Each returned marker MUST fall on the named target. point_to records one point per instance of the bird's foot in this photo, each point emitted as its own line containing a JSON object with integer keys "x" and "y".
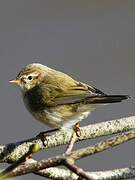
{"x": 44, "y": 134}
{"x": 76, "y": 129}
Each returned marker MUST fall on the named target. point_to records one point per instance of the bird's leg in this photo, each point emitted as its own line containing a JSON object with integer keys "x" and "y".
{"x": 76, "y": 129}
{"x": 42, "y": 135}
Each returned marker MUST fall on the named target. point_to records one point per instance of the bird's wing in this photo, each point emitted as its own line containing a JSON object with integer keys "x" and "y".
{"x": 54, "y": 95}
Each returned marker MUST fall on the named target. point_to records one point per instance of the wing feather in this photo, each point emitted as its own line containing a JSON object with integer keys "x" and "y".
{"x": 54, "y": 95}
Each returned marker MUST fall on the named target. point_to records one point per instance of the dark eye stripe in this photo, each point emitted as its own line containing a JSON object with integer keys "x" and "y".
{"x": 23, "y": 81}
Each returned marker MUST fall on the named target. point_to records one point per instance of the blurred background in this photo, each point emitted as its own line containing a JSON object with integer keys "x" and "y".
{"x": 94, "y": 41}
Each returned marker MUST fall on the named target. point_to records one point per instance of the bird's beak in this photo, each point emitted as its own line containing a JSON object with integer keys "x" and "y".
{"x": 15, "y": 81}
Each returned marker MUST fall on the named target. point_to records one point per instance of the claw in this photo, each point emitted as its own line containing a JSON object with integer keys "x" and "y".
{"x": 76, "y": 128}
{"x": 43, "y": 135}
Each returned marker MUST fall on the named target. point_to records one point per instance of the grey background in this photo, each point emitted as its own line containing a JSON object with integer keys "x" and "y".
{"x": 93, "y": 41}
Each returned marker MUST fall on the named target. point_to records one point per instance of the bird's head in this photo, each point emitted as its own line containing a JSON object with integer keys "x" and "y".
{"x": 30, "y": 76}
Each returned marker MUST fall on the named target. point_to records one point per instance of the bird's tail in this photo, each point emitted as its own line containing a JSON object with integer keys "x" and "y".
{"x": 107, "y": 99}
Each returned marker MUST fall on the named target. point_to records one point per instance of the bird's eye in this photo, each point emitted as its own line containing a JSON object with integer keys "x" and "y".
{"x": 30, "y": 78}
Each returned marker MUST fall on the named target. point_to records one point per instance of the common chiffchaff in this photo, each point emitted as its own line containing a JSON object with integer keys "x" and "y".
{"x": 56, "y": 99}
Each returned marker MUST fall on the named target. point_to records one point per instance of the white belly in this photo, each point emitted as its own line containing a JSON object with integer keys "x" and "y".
{"x": 55, "y": 119}
{"x": 73, "y": 120}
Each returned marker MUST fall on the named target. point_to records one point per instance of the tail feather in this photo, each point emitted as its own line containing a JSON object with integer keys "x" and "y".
{"x": 107, "y": 99}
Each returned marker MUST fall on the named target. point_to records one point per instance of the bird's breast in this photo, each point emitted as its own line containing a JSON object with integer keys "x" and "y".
{"x": 55, "y": 116}
{"x": 33, "y": 100}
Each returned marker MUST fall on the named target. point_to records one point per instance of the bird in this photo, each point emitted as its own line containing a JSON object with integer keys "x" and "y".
{"x": 58, "y": 100}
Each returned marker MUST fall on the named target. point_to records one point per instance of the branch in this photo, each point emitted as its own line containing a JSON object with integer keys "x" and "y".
{"x": 63, "y": 174}
{"x": 13, "y": 151}
{"x": 103, "y": 145}
{"x": 71, "y": 143}
{"x": 33, "y": 149}
{"x": 68, "y": 160}
{"x": 116, "y": 174}
{"x": 77, "y": 170}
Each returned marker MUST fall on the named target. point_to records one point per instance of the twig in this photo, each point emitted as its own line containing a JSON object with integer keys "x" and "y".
{"x": 13, "y": 151}
{"x": 69, "y": 163}
{"x": 75, "y": 155}
{"x": 103, "y": 145}
{"x": 77, "y": 170}
{"x": 71, "y": 143}
{"x": 33, "y": 148}
{"x": 116, "y": 174}
{"x": 63, "y": 174}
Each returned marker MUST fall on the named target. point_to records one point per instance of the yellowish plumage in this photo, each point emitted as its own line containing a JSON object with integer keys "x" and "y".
{"x": 56, "y": 99}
